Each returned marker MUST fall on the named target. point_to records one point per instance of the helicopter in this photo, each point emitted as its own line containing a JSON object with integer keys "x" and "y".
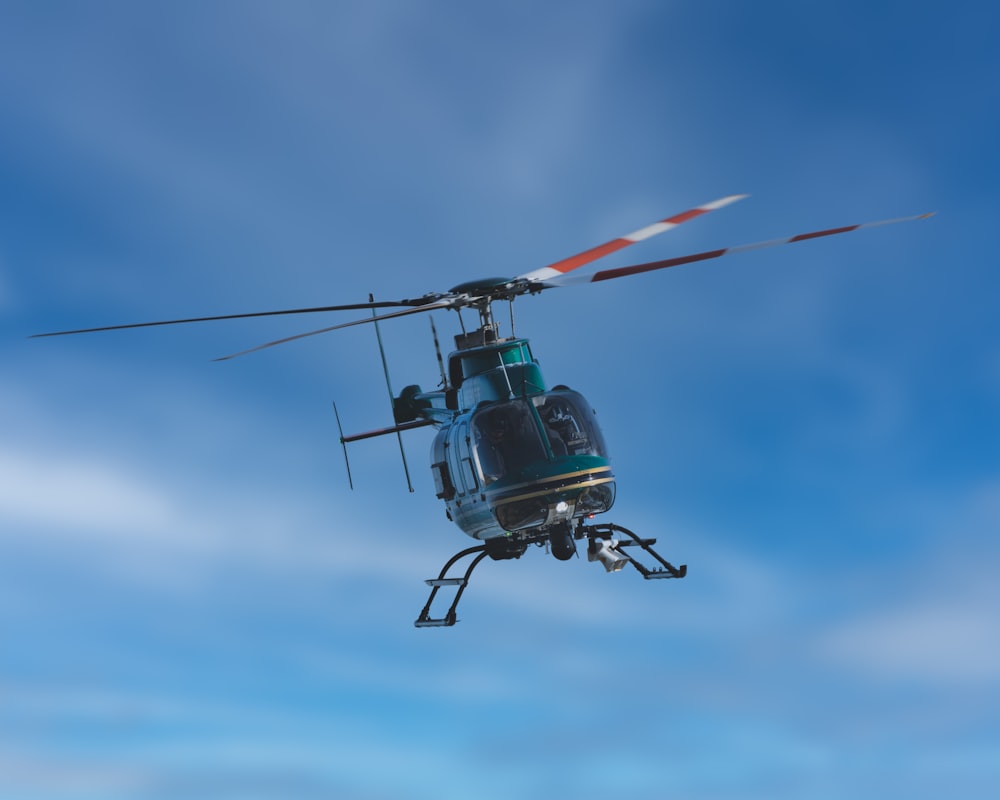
{"x": 515, "y": 462}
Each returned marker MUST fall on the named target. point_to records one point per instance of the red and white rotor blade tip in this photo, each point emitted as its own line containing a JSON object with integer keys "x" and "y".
{"x": 594, "y": 253}
{"x": 621, "y": 272}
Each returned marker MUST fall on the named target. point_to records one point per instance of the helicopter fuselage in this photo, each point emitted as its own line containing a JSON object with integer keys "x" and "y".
{"x": 512, "y": 460}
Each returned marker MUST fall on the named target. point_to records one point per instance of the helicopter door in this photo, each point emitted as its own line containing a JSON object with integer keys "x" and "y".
{"x": 439, "y": 468}
{"x": 462, "y": 466}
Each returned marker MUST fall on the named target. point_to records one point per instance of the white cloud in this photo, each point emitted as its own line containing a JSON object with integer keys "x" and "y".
{"x": 940, "y": 626}
{"x": 953, "y": 642}
{"x": 28, "y": 774}
{"x": 77, "y": 494}
{"x": 112, "y": 516}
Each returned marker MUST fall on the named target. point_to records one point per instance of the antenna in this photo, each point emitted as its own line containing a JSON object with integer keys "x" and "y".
{"x": 503, "y": 369}
{"x": 437, "y": 352}
{"x": 343, "y": 444}
{"x": 388, "y": 385}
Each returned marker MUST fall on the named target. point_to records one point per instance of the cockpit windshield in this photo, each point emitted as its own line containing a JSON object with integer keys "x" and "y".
{"x": 570, "y": 424}
{"x": 510, "y": 436}
{"x": 506, "y": 439}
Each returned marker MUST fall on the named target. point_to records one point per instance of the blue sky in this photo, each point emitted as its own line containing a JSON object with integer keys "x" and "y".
{"x": 192, "y": 603}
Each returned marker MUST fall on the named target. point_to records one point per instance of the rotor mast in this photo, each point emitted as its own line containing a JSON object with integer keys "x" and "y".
{"x": 488, "y": 331}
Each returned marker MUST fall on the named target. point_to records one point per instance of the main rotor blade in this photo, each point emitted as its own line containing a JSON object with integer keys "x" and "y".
{"x": 594, "y": 253}
{"x": 348, "y": 307}
{"x": 446, "y": 303}
{"x": 621, "y": 272}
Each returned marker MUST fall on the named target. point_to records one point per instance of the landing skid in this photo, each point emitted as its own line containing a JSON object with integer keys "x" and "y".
{"x": 425, "y": 620}
{"x": 598, "y": 536}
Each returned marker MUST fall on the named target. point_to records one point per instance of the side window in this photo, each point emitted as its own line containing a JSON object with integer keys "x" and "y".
{"x": 490, "y": 429}
{"x": 465, "y": 471}
{"x": 442, "y": 480}
{"x": 454, "y": 464}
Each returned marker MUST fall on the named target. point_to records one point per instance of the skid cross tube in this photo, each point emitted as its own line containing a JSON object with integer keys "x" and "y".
{"x": 425, "y": 620}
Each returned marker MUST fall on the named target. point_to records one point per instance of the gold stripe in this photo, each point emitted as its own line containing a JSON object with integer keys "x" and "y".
{"x": 559, "y": 477}
{"x": 529, "y": 495}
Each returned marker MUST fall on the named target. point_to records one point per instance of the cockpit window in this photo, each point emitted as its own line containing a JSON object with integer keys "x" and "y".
{"x": 507, "y": 436}
{"x": 506, "y": 439}
{"x": 570, "y": 424}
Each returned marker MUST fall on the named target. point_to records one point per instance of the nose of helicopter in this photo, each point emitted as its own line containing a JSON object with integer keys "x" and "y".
{"x": 561, "y": 496}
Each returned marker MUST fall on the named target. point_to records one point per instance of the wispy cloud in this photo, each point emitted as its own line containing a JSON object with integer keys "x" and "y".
{"x": 78, "y": 494}
{"x": 936, "y": 620}
{"x": 952, "y": 642}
